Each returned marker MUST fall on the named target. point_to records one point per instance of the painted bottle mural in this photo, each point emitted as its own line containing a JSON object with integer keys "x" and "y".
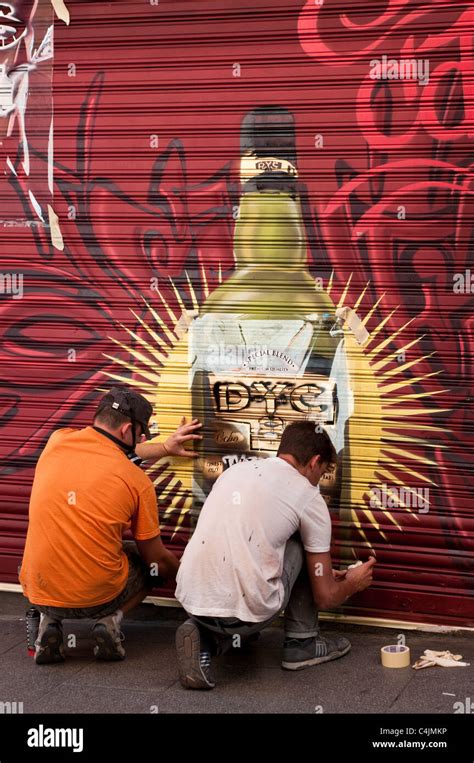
{"x": 267, "y": 348}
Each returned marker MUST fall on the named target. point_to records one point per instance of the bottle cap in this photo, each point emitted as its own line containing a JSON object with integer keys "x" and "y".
{"x": 267, "y": 145}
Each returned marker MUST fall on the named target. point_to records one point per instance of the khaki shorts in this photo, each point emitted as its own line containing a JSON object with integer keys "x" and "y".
{"x": 138, "y": 579}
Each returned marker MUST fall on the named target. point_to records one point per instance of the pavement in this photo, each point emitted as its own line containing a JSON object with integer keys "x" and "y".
{"x": 252, "y": 682}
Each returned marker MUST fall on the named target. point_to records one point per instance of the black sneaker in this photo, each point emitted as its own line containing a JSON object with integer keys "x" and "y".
{"x": 194, "y": 658}
{"x": 49, "y": 646}
{"x": 301, "y": 653}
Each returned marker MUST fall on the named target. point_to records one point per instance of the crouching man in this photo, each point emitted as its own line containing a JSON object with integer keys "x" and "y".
{"x": 88, "y": 489}
{"x": 261, "y": 545}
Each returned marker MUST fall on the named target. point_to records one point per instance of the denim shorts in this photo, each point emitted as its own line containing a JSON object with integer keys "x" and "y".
{"x": 138, "y": 579}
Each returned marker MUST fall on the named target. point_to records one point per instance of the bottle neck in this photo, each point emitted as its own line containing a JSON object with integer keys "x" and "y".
{"x": 269, "y": 233}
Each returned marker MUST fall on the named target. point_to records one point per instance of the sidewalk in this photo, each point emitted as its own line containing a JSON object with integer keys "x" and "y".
{"x": 146, "y": 681}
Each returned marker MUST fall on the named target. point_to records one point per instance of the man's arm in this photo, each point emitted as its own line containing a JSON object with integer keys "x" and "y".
{"x": 174, "y": 445}
{"x": 328, "y": 591}
{"x": 153, "y": 551}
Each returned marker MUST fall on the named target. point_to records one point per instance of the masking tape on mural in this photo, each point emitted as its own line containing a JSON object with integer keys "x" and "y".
{"x": 61, "y": 11}
{"x": 56, "y": 235}
{"x": 395, "y": 656}
{"x": 354, "y": 322}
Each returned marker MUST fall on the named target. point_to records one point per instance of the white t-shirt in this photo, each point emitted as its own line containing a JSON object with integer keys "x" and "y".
{"x": 232, "y": 566}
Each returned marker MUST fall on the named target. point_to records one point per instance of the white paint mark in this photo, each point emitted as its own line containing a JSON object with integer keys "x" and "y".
{"x": 10, "y": 165}
{"x": 51, "y": 157}
{"x": 36, "y": 205}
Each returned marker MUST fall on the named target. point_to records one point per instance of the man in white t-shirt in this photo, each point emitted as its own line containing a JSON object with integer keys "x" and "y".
{"x": 262, "y": 545}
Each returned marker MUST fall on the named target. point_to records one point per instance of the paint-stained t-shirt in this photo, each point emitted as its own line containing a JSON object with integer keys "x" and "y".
{"x": 85, "y": 494}
{"x": 232, "y": 566}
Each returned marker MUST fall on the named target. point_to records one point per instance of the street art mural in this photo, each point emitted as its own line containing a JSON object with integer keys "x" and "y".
{"x": 161, "y": 280}
{"x": 26, "y": 113}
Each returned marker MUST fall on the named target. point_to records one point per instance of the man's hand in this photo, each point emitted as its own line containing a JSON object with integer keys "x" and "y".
{"x": 173, "y": 446}
{"x": 361, "y": 577}
{"x": 331, "y": 588}
{"x": 185, "y": 432}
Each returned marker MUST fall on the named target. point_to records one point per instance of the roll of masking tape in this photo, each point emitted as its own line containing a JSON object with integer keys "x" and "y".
{"x": 395, "y": 656}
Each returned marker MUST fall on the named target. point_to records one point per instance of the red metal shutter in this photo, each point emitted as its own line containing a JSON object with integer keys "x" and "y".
{"x": 148, "y": 104}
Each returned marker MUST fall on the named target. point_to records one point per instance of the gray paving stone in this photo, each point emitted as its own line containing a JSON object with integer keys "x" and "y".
{"x": 246, "y": 682}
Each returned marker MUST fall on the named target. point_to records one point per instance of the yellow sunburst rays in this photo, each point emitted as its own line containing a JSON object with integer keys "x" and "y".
{"x": 381, "y": 423}
{"x": 157, "y": 365}
{"x": 381, "y": 427}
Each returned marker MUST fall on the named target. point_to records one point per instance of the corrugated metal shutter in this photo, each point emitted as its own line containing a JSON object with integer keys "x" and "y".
{"x": 149, "y": 100}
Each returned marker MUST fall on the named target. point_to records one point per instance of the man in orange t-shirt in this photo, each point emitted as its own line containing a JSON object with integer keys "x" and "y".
{"x": 88, "y": 489}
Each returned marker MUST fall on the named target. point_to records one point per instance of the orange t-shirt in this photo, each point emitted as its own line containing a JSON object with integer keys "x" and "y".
{"x": 85, "y": 494}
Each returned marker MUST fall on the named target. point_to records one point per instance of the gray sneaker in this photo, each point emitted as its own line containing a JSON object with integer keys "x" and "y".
{"x": 194, "y": 658}
{"x": 108, "y": 638}
{"x": 49, "y": 646}
{"x": 301, "y": 653}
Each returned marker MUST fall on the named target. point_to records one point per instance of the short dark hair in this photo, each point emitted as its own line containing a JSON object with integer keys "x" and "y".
{"x": 305, "y": 439}
{"x": 109, "y": 416}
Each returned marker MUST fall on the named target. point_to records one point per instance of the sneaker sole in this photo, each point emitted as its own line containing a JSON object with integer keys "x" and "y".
{"x": 187, "y": 650}
{"x": 106, "y": 648}
{"x": 315, "y": 661}
{"x": 51, "y": 644}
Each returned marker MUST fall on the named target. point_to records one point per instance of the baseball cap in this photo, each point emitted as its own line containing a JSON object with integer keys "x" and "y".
{"x": 129, "y": 403}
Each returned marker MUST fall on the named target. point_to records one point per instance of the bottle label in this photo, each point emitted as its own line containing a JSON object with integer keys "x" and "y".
{"x": 229, "y": 344}
{"x": 250, "y": 378}
{"x": 250, "y": 412}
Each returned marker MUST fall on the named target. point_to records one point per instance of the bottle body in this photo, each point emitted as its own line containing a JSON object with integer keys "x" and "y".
{"x": 267, "y": 348}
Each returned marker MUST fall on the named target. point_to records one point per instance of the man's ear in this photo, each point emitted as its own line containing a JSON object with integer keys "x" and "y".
{"x": 314, "y": 461}
{"x": 125, "y": 428}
